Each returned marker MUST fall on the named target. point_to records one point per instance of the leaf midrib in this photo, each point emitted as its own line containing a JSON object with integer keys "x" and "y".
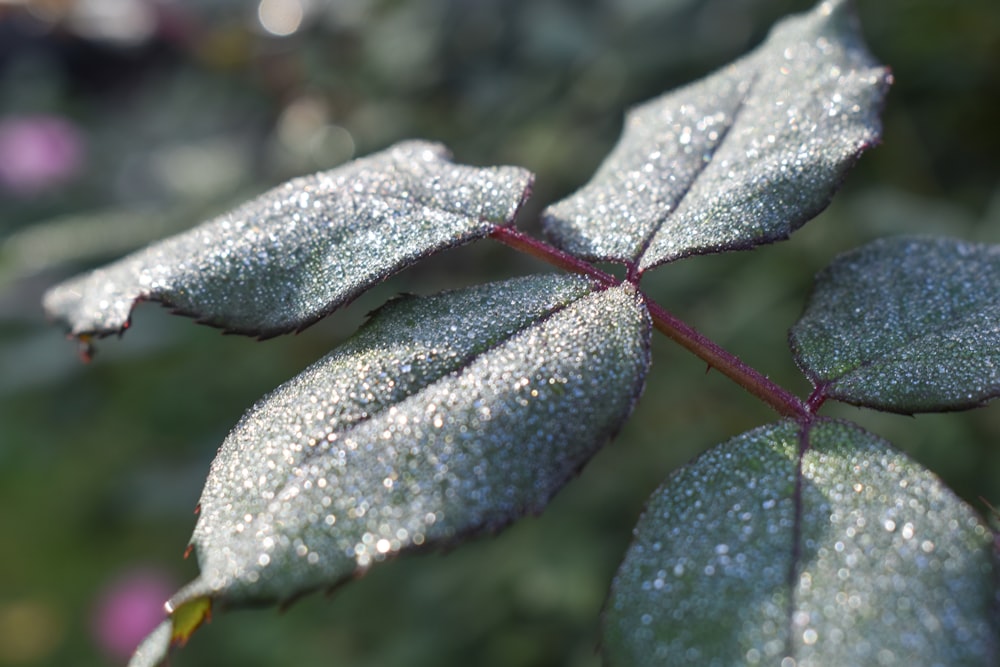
{"x": 737, "y": 112}
{"x": 892, "y": 355}
{"x": 460, "y": 366}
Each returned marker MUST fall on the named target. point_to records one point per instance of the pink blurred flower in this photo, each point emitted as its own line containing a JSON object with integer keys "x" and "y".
{"x": 37, "y": 153}
{"x": 128, "y": 609}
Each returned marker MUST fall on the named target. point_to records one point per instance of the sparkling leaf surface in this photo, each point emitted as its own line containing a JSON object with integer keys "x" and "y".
{"x": 444, "y": 416}
{"x": 905, "y": 324}
{"x": 740, "y": 158}
{"x": 867, "y": 560}
{"x": 154, "y": 648}
{"x": 282, "y": 261}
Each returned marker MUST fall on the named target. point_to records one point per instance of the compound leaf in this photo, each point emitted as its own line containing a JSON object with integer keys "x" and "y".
{"x": 289, "y": 257}
{"x": 741, "y": 158}
{"x": 852, "y": 555}
{"x": 906, "y": 325}
{"x": 443, "y": 417}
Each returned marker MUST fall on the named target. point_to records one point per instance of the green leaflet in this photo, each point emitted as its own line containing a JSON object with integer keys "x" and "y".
{"x": 294, "y": 254}
{"x": 740, "y": 158}
{"x": 443, "y": 417}
{"x": 905, "y": 324}
{"x": 872, "y": 561}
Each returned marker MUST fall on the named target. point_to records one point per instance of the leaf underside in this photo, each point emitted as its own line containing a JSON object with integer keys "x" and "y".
{"x": 905, "y": 324}
{"x": 872, "y": 561}
{"x": 740, "y": 158}
{"x": 443, "y": 417}
{"x": 291, "y": 256}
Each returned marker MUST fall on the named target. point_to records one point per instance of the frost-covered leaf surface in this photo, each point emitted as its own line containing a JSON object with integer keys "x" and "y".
{"x": 443, "y": 417}
{"x": 154, "y": 647}
{"x": 872, "y": 562}
{"x": 742, "y": 157}
{"x": 905, "y": 324}
{"x": 285, "y": 259}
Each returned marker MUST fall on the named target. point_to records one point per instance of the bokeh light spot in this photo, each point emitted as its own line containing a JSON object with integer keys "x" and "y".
{"x": 280, "y": 17}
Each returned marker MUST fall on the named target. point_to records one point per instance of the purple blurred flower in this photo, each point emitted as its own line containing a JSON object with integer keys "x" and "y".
{"x": 37, "y": 153}
{"x": 128, "y": 609}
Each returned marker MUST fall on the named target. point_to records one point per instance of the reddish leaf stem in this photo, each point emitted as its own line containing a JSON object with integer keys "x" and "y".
{"x": 818, "y": 397}
{"x": 784, "y": 402}
{"x": 552, "y": 255}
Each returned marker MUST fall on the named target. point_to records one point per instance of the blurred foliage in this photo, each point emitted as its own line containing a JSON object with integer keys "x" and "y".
{"x": 121, "y": 122}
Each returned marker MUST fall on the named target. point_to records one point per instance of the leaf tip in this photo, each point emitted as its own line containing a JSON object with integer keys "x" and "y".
{"x": 154, "y": 648}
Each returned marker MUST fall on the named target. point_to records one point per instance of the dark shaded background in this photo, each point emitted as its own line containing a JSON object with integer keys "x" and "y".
{"x": 123, "y": 121}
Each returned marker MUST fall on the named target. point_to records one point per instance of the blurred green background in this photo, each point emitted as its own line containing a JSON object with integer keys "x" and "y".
{"x": 123, "y": 121}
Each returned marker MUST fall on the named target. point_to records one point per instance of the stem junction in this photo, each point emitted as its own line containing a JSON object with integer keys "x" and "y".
{"x": 780, "y": 399}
